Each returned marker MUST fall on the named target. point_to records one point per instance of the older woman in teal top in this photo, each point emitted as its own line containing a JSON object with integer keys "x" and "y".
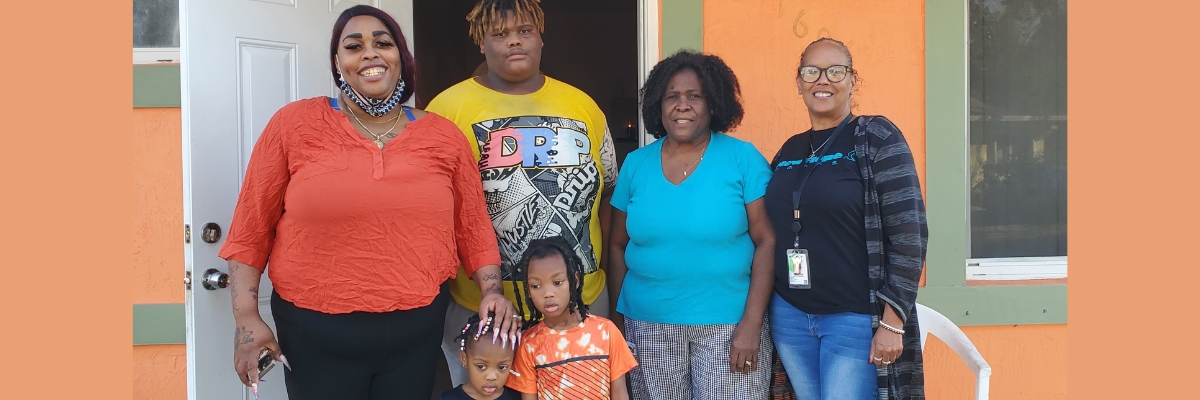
{"x": 691, "y": 249}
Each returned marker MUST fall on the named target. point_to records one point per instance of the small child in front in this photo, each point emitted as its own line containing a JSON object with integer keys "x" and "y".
{"x": 488, "y": 365}
{"x": 568, "y": 354}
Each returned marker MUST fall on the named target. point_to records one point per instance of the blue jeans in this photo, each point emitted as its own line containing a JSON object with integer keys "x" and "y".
{"x": 827, "y": 356}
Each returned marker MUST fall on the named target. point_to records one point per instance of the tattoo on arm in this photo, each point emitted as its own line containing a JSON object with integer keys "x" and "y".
{"x": 490, "y": 277}
{"x": 242, "y": 337}
{"x": 234, "y": 291}
{"x": 253, "y": 290}
{"x": 493, "y": 288}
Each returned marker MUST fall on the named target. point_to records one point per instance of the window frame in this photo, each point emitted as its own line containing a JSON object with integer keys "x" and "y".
{"x": 155, "y": 55}
{"x": 998, "y": 268}
{"x": 947, "y": 96}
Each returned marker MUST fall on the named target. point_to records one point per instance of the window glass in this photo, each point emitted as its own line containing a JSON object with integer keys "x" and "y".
{"x": 1018, "y": 122}
{"x": 155, "y": 23}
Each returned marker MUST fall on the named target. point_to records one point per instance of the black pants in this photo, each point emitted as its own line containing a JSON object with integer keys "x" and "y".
{"x": 360, "y": 355}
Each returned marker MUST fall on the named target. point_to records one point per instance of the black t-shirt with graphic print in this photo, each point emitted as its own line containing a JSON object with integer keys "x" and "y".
{"x": 834, "y": 231}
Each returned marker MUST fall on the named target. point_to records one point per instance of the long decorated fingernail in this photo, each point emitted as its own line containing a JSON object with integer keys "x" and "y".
{"x": 514, "y": 342}
{"x": 254, "y": 388}
{"x": 285, "y": 363}
{"x": 503, "y": 340}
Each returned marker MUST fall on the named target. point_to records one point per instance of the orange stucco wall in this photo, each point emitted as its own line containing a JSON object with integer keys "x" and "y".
{"x": 158, "y": 206}
{"x": 762, "y": 40}
{"x": 159, "y": 371}
{"x": 1028, "y": 362}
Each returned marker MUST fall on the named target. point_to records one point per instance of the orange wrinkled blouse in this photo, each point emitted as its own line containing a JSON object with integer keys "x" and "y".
{"x": 348, "y": 227}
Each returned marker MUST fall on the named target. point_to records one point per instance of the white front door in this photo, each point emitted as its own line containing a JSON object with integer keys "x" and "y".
{"x": 241, "y": 61}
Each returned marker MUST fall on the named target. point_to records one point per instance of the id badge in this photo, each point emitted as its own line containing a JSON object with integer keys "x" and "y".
{"x": 798, "y": 277}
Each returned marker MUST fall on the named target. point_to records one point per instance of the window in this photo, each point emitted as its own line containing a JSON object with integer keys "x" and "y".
{"x": 1018, "y": 139}
{"x": 155, "y": 31}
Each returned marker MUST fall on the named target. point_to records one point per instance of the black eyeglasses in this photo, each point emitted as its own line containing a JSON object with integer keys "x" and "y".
{"x": 835, "y": 73}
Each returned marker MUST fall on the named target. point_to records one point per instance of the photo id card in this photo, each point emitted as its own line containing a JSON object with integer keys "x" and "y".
{"x": 798, "y": 277}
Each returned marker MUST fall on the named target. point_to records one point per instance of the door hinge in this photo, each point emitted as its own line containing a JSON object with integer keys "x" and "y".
{"x": 187, "y": 280}
{"x": 187, "y": 234}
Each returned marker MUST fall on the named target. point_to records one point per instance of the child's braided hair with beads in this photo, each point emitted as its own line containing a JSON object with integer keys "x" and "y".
{"x": 471, "y": 332}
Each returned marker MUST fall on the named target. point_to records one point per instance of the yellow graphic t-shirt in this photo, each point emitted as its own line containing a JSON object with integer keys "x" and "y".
{"x": 544, "y": 158}
{"x": 579, "y": 363}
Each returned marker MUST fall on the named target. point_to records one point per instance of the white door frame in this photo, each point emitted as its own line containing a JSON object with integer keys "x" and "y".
{"x": 648, "y": 54}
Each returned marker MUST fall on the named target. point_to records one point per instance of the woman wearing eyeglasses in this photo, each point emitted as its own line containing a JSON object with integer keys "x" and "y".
{"x": 849, "y": 218}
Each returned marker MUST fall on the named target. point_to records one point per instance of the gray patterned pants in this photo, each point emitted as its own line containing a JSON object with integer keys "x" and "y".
{"x": 680, "y": 362}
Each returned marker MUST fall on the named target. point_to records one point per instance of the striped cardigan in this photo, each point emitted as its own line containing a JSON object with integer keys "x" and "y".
{"x": 897, "y": 237}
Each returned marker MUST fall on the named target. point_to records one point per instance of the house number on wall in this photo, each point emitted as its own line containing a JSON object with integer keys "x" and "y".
{"x": 800, "y": 29}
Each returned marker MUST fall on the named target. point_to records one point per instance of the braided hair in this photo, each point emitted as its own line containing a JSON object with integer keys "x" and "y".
{"x": 487, "y": 14}
{"x": 470, "y": 333}
{"x": 543, "y": 248}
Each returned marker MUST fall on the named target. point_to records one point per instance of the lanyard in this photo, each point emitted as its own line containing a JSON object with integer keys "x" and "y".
{"x": 800, "y": 191}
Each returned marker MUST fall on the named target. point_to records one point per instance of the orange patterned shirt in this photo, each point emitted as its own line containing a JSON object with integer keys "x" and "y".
{"x": 577, "y": 363}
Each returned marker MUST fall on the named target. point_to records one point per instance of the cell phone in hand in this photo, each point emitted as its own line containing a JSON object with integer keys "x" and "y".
{"x": 266, "y": 361}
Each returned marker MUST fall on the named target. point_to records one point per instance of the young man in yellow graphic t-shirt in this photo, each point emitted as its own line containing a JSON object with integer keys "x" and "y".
{"x": 545, "y": 156}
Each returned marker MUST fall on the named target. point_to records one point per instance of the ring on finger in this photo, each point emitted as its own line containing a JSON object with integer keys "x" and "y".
{"x": 878, "y": 358}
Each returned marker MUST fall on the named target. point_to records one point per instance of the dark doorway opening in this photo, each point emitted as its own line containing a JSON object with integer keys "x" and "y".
{"x": 591, "y": 45}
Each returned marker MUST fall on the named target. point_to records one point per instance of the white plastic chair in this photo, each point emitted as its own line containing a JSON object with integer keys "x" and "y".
{"x": 931, "y": 321}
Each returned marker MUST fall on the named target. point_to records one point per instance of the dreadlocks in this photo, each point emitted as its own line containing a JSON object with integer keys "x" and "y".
{"x": 488, "y": 14}
{"x": 539, "y": 249}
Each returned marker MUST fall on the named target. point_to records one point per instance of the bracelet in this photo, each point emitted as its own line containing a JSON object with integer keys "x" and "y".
{"x": 890, "y": 328}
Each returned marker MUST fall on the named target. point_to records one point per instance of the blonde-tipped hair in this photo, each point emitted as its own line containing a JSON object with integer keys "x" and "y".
{"x": 490, "y": 14}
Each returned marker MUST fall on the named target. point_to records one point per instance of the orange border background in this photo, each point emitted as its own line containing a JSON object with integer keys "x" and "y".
{"x": 65, "y": 161}
{"x": 1133, "y": 216}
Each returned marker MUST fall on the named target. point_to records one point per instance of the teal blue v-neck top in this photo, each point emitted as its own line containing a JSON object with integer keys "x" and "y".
{"x": 689, "y": 250}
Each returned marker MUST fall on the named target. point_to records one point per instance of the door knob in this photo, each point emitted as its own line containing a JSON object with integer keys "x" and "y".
{"x": 214, "y": 279}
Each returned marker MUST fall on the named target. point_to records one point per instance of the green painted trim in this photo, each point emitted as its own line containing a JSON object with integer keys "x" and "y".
{"x": 946, "y": 126}
{"x": 156, "y": 86}
{"x": 159, "y": 323}
{"x": 946, "y": 142}
{"x": 682, "y": 26}
{"x": 998, "y": 305}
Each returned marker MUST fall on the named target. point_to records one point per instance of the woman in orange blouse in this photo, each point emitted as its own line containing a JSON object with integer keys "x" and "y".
{"x": 363, "y": 209}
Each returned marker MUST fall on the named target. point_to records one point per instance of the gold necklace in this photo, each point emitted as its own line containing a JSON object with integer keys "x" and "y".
{"x": 689, "y": 166}
{"x": 378, "y": 138}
